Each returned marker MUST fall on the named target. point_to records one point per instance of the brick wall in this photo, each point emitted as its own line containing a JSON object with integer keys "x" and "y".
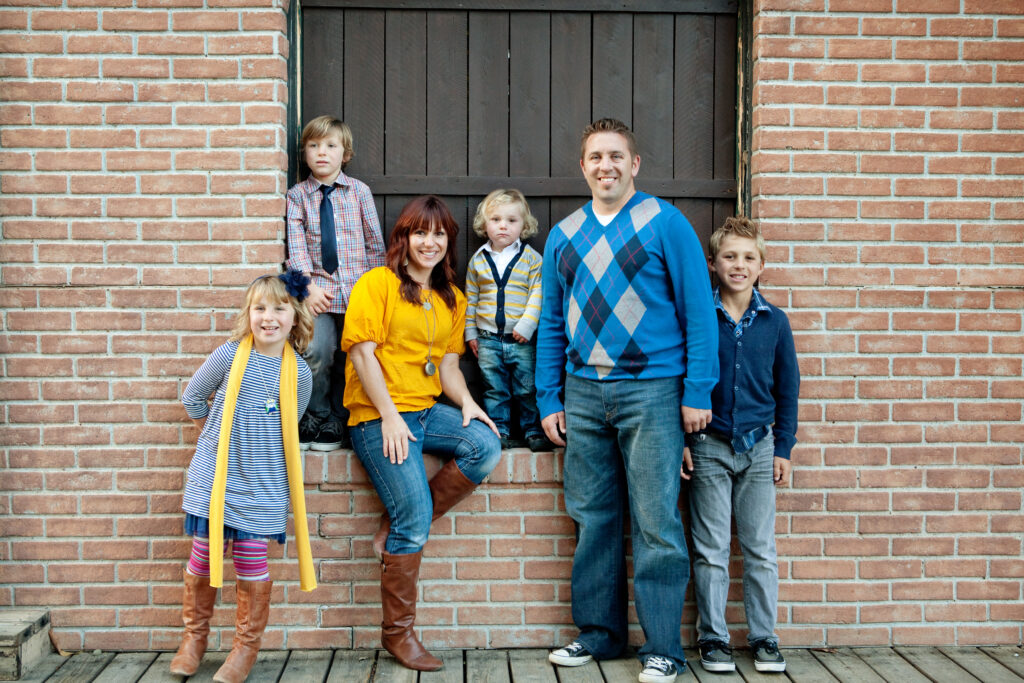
{"x": 888, "y": 175}
{"x": 143, "y": 152}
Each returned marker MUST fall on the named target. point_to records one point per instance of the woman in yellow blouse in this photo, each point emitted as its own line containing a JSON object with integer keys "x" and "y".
{"x": 404, "y": 335}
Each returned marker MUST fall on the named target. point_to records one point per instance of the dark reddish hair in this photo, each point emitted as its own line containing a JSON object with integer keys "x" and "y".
{"x": 422, "y": 213}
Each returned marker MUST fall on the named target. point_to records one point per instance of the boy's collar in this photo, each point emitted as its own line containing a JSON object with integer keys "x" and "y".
{"x": 757, "y": 302}
{"x": 514, "y": 247}
{"x": 315, "y": 184}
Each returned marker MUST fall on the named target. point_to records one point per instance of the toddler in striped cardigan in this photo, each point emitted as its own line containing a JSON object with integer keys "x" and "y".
{"x": 503, "y": 291}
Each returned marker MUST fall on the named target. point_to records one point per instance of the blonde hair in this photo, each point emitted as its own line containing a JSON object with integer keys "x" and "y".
{"x": 325, "y": 125}
{"x": 503, "y": 196}
{"x": 608, "y": 126}
{"x": 271, "y": 288}
{"x": 740, "y": 226}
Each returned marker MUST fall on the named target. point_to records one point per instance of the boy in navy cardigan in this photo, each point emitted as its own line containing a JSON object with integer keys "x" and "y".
{"x": 744, "y": 452}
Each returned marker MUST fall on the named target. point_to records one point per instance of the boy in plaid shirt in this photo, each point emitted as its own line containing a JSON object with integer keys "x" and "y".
{"x": 334, "y": 236}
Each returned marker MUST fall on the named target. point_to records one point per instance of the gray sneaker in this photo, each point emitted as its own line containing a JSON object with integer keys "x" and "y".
{"x": 767, "y": 656}
{"x": 716, "y": 656}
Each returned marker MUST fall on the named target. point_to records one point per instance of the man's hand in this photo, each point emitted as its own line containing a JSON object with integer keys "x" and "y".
{"x": 695, "y": 419}
{"x": 554, "y": 427}
{"x": 781, "y": 469}
{"x": 318, "y": 300}
{"x": 686, "y": 471}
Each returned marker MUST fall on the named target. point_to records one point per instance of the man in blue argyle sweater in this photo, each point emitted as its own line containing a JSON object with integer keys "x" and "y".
{"x": 629, "y": 322}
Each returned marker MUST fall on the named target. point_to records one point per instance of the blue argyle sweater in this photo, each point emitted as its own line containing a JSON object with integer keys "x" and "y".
{"x": 630, "y": 300}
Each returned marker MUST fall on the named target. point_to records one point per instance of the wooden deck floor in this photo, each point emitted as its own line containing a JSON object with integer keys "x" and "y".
{"x": 859, "y": 665}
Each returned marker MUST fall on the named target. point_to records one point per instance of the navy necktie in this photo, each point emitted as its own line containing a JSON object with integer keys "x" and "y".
{"x": 328, "y": 239}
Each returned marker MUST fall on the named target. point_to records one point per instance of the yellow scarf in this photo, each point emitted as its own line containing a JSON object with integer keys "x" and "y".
{"x": 289, "y": 436}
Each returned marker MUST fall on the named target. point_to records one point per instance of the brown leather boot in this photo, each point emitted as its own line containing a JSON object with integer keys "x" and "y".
{"x": 196, "y": 610}
{"x": 250, "y": 621}
{"x": 448, "y": 487}
{"x": 398, "y": 577}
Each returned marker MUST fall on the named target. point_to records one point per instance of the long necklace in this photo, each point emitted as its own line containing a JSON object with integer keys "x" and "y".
{"x": 271, "y": 403}
{"x": 429, "y": 366}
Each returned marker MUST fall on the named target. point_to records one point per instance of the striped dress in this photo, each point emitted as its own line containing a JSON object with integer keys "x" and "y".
{"x": 256, "y": 499}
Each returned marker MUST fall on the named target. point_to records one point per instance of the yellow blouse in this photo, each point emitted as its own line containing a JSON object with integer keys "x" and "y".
{"x": 403, "y": 332}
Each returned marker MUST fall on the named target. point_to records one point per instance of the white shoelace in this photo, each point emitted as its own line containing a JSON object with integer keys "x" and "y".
{"x": 659, "y": 664}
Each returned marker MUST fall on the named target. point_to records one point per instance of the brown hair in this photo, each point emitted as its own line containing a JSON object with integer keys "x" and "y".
{"x": 423, "y": 213}
{"x": 325, "y": 125}
{"x": 510, "y": 196}
{"x": 271, "y": 288}
{"x": 608, "y": 126}
{"x": 740, "y": 226}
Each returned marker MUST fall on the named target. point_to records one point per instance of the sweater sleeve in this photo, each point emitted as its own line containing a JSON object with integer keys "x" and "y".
{"x": 695, "y": 308}
{"x": 472, "y": 299}
{"x": 785, "y": 388}
{"x": 527, "y": 324}
{"x": 551, "y": 338}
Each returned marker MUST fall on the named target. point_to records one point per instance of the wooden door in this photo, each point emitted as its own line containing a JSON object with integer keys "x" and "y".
{"x": 460, "y": 98}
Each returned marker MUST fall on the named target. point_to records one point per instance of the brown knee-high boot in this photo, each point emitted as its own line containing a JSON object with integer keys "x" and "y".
{"x": 196, "y": 610}
{"x": 250, "y": 621}
{"x": 448, "y": 488}
{"x": 398, "y": 577}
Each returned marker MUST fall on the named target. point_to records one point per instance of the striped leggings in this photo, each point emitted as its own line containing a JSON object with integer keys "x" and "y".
{"x": 249, "y": 557}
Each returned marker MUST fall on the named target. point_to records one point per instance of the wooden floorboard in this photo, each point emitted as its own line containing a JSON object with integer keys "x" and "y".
{"x": 825, "y": 665}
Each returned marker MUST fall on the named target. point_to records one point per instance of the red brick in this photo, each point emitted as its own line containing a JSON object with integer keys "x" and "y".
{"x": 927, "y": 49}
{"x": 61, "y": 67}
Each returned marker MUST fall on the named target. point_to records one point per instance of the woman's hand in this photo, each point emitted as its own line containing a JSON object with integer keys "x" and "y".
{"x": 396, "y": 436}
{"x": 471, "y": 411}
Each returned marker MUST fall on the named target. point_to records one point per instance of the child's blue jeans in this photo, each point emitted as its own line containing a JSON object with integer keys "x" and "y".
{"x": 507, "y": 367}
{"x": 327, "y": 363}
{"x": 727, "y": 485}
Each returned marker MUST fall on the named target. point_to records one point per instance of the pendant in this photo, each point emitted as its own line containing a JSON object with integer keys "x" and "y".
{"x": 427, "y": 306}
{"x": 429, "y": 368}
{"x": 270, "y": 406}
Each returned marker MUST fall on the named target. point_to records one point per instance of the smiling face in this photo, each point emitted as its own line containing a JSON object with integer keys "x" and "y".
{"x": 271, "y": 322}
{"x": 738, "y": 264}
{"x": 609, "y": 168}
{"x": 504, "y": 224}
{"x": 324, "y": 156}
{"x": 427, "y": 247}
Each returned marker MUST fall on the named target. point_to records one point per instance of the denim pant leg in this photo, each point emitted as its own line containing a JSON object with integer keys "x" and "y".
{"x": 754, "y": 509}
{"x": 711, "y": 495}
{"x": 646, "y": 414}
{"x": 403, "y": 488}
{"x": 497, "y": 392}
{"x": 523, "y": 361}
{"x": 475, "y": 448}
{"x": 595, "y": 498}
{"x": 327, "y": 363}
{"x": 339, "y": 413}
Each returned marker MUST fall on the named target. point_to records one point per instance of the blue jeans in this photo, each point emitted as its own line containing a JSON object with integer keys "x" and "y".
{"x": 507, "y": 368}
{"x": 728, "y": 485}
{"x": 327, "y": 363}
{"x": 624, "y": 446}
{"x": 403, "y": 488}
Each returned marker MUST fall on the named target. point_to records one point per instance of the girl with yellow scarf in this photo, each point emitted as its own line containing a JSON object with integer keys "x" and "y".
{"x": 247, "y": 468}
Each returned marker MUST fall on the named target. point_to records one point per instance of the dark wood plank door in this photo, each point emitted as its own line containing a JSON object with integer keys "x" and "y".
{"x": 459, "y": 98}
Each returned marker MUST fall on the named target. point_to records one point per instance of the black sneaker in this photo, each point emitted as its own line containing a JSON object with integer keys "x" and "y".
{"x": 767, "y": 656}
{"x": 309, "y": 427}
{"x": 539, "y": 444}
{"x": 658, "y": 669}
{"x": 716, "y": 656}
{"x": 506, "y": 443}
{"x": 329, "y": 438}
{"x": 573, "y": 654}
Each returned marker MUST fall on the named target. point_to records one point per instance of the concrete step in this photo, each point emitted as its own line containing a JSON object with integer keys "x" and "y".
{"x": 24, "y": 640}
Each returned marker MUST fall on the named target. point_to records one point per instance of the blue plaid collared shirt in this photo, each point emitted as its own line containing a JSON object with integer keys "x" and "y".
{"x": 357, "y": 228}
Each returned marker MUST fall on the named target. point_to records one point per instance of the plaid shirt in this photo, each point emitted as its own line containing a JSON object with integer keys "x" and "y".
{"x": 359, "y": 238}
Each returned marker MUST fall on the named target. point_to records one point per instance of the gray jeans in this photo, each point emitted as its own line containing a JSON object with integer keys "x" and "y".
{"x": 327, "y": 363}
{"x": 728, "y": 485}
